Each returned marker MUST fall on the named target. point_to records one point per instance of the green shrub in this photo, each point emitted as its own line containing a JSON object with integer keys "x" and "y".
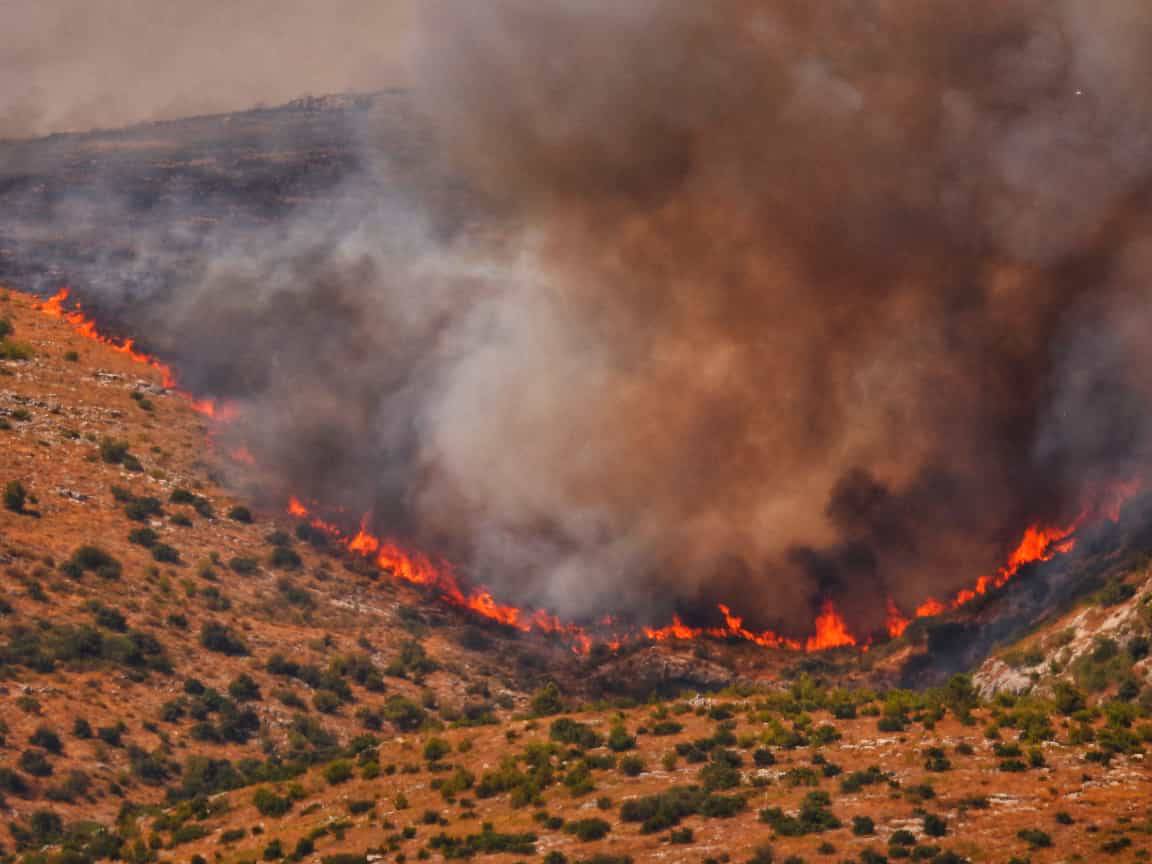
{"x": 197, "y": 502}
{"x": 619, "y": 740}
{"x": 568, "y": 731}
{"x": 632, "y": 766}
{"x": 1035, "y": 838}
{"x": 338, "y": 772}
{"x": 95, "y": 560}
{"x": 487, "y": 842}
{"x": 546, "y": 701}
{"x": 240, "y": 513}
{"x": 243, "y": 566}
{"x": 274, "y": 851}
{"x": 15, "y": 352}
{"x": 165, "y": 554}
{"x": 763, "y": 757}
{"x": 326, "y": 701}
{"x": 270, "y": 804}
{"x": 244, "y": 688}
{"x": 436, "y": 749}
{"x": 15, "y": 496}
{"x": 47, "y": 738}
{"x": 114, "y": 452}
{"x": 145, "y": 537}
{"x": 412, "y": 662}
{"x": 902, "y": 838}
{"x": 588, "y": 830}
{"x": 284, "y": 558}
{"x": 935, "y": 826}
{"x": 814, "y": 817}
{"x": 35, "y": 763}
{"x": 219, "y": 638}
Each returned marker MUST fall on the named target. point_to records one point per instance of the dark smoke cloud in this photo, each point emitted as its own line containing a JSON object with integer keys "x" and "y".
{"x": 788, "y": 300}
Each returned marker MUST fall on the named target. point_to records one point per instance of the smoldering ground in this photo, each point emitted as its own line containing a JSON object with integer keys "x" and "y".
{"x": 786, "y": 301}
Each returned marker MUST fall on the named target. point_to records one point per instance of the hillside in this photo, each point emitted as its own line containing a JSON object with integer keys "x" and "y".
{"x": 1100, "y": 644}
{"x": 189, "y": 677}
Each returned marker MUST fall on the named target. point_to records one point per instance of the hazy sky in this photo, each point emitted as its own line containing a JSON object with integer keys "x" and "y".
{"x": 78, "y": 64}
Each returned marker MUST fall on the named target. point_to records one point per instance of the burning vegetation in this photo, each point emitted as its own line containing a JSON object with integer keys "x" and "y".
{"x": 829, "y": 629}
{"x": 646, "y": 368}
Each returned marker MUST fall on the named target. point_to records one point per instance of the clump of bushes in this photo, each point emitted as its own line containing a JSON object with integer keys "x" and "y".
{"x": 487, "y": 842}
{"x": 814, "y": 817}
{"x": 580, "y": 735}
{"x": 197, "y": 502}
{"x": 92, "y": 559}
{"x": 219, "y": 638}
{"x": 667, "y": 809}
{"x": 114, "y": 452}
{"x": 412, "y": 662}
{"x": 588, "y": 830}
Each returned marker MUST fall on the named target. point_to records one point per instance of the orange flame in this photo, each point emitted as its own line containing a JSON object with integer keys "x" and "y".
{"x": 53, "y": 307}
{"x": 896, "y": 622}
{"x": 830, "y": 630}
{"x": 1038, "y": 544}
{"x": 82, "y": 325}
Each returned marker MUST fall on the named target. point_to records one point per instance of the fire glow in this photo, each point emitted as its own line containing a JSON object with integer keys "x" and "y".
{"x": 830, "y": 630}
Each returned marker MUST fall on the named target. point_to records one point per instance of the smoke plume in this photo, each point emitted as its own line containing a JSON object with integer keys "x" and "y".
{"x": 784, "y": 301}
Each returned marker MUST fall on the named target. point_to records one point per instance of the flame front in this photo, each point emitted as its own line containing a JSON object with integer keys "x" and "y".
{"x": 83, "y": 326}
{"x": 1038, "y": 544}
{"x": 831, "y": 631}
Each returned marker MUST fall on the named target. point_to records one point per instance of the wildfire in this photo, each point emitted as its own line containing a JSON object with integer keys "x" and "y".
{"x": 53, "y": 307}
{"x": 896, "y": 623}
{"x": 1038, "y": 544}
{"x": 831, "y": 631}
{"x": 733, "y": 629}
{"x": 82, "y": 325}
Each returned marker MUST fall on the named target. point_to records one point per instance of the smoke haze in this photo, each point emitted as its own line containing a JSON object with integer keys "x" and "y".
{"x": 70, "y": 65}
{"x": 785, "y": 301}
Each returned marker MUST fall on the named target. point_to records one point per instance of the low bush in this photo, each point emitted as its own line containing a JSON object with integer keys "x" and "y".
{"x": 588, "y": 830}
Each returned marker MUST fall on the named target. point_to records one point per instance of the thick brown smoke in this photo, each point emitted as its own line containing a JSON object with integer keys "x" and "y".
{"x": 787, "y": 300}
{"x": 808, "y": 276}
